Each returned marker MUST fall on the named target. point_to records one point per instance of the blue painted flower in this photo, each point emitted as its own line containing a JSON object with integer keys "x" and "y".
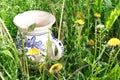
{"x": 34, "y": 44}
{"x": 37, "y": 44}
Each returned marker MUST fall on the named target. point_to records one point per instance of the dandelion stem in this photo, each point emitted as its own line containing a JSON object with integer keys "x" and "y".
{"x": 79, "y": 34}
{"x": 114, "y": 58}
{"x": 79, "y": 39}
{"x": 95, "y": 40}
{"x": 61, "y": 19}
{"x": 112, "y": 51}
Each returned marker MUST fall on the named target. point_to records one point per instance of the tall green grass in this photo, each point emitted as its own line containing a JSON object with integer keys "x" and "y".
{"x": 81, "y": 60}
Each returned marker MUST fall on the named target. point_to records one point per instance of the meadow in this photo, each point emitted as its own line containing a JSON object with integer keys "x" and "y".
{"x": 88, "y": 29}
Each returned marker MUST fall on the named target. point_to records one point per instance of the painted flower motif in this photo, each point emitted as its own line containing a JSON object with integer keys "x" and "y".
{"x": 80, "y": 22}
{"x": 97, "y": 15}
{"x": 31, "y": 43}
{"x": 113, "y": 42}
{"x": 91, "y": 42}
{"x": 55, "y": 68}
{"x": 42, "y": 66}
{"x": 33, "y": 51}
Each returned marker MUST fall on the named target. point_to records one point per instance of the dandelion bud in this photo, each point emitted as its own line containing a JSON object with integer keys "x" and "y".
{"x": 97, "y": 15}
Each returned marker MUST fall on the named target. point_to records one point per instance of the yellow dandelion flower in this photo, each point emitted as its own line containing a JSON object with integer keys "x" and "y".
{"x": 113, "y": 42}
{"x": 55, "y": 68}
{"x": 91, "y": 42}
{"x": 42, "y": 66}
{"x": 80, "y": 21}
{"x": 97, "y": 15}
{"x": 33, "y": 51}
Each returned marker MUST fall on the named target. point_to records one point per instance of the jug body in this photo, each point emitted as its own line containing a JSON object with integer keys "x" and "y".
{"x": 41, "y": 36}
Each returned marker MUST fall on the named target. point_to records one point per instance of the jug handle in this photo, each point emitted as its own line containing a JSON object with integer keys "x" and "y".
{"x": 60, "y": 49}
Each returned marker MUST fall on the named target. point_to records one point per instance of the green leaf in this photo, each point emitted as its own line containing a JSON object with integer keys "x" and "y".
{"x": 113, "y": 16}
{"x": 31, "y": 28}
{"x": 7, "y": 52}
{"x": 98, "y": 5}
{"x": 115, "y": 72}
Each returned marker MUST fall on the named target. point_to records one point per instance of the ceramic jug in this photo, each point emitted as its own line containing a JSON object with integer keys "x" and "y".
{"x": 41, "y": 36}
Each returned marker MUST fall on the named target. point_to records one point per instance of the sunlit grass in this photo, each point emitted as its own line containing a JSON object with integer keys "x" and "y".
{"x": 84, "y": 27}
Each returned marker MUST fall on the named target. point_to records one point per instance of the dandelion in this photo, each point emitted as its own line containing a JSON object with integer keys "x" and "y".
{"x": 80, "y": 21}
{"x": 79, "y": 15}
{"x": 55, "y": 68}
{"x": 97, "y": 15}
{"x": 33, "y": 51}
{"x": 91, "y": 42}
{"x": 113, "y": 42}
{"x": 42, "y": 66}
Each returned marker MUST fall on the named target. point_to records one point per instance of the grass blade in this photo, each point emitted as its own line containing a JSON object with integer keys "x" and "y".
{"x": 113, "y": 16}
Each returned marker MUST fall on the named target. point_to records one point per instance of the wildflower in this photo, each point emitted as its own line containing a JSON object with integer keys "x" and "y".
{"x": 113, "y": 42}
{"x": 79, "y": 15}
{"x": 91, "y": 42}
{"x": 33, "y": 51}
{"x": 55, "y": 68}
{"x": 80, "y": 21}
{"x": 97, "y": 15}
{"x": 100, "y": 26}
{"x": 42, "y": 66}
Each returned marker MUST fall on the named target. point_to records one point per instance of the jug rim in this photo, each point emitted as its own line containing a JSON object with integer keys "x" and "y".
{"x": 20, "y": 19}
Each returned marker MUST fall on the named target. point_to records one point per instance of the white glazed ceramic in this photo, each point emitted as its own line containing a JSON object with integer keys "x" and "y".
{"x": 41, "y": 37}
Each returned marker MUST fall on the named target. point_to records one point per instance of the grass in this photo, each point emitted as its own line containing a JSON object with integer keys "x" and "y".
{"x": 87, "y": 55}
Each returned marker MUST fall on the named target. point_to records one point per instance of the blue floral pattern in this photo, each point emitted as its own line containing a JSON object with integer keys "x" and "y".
{"x": 34, "y": 41}
{"x": 31, "y": 43}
